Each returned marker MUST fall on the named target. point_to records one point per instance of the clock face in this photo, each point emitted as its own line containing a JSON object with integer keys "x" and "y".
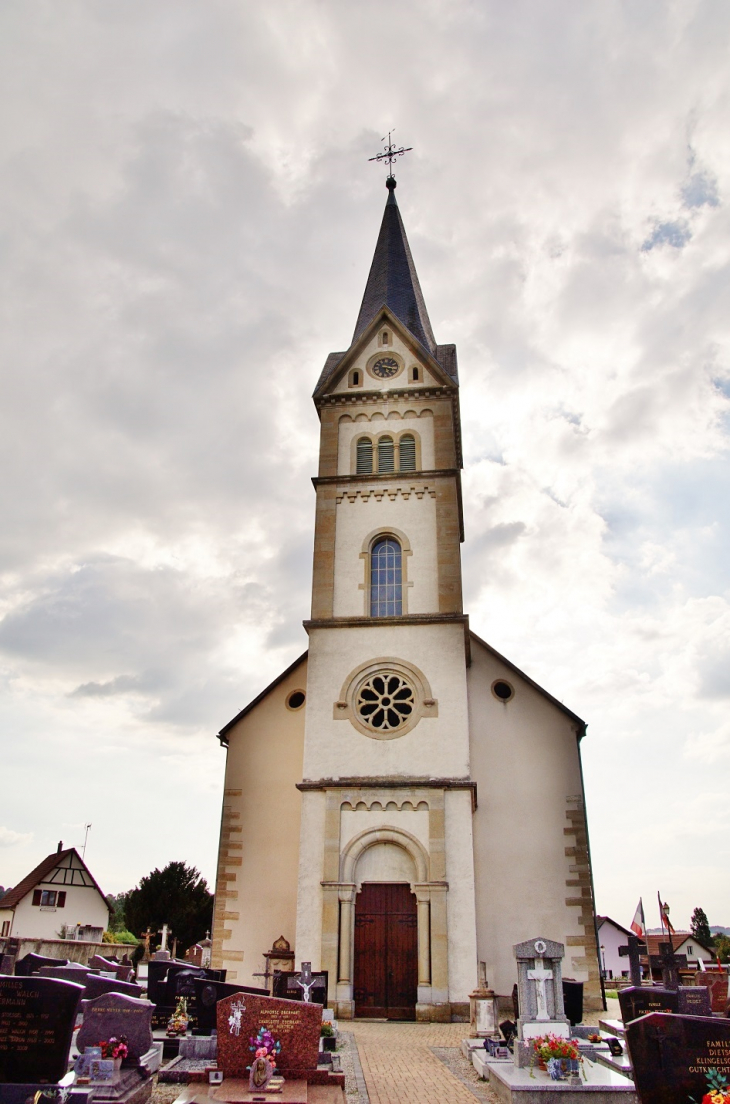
{"x": 385, "y": 368}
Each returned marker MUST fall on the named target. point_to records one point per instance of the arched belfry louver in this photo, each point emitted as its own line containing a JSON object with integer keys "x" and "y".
{"x": 386, "y": 454}
{"x": 407, "y": 452}
{"x": 364, "y": 464}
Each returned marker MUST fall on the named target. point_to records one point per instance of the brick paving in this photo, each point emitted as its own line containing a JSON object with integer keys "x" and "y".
{"x": 399, "y": 1066}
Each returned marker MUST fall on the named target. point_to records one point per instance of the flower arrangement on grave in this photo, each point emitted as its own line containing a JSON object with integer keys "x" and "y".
{"x": 265, "y": 1049}
{"x": 594, "y": 1038}
{"x": 114, "y": 1048}
{"x": 719, "y": 1091}
{"x": 178, "y": 1022}
{"x": 545, "y": 1047}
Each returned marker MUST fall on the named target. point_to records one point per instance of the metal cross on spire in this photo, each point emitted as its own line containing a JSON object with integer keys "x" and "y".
{"x": 390, "y": 153}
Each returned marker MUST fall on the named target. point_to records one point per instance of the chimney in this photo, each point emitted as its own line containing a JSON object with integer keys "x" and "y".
{"x": 60, "y": 846}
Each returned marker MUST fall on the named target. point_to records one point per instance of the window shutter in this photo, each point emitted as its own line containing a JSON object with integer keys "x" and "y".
{"x": 36, "y": 896}
{"x": 386, "y": 456}
{"x": 61, "y": 898}
{"x": 364, "y": 464}
{"x": 407, "y": 449}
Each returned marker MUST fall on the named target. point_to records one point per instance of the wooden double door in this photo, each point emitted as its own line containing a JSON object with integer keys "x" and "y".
{"x": 386, "y": 951}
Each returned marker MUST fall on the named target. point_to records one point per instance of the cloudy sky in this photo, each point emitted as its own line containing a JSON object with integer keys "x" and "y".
{"x": 188, "y": 218}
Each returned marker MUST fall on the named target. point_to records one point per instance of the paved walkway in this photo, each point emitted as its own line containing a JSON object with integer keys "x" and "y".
{"x": 399, "y": 1067}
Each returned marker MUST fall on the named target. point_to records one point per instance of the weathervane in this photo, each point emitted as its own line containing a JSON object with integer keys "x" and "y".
{"x": 390, "y": 154}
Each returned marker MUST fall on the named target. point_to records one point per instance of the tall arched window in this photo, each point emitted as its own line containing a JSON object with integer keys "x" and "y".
{"x": 386, "y": 454}
{"x": 364, "y": 462}
{"x": 386, "y": 579}
{"x": 407, "y": 452}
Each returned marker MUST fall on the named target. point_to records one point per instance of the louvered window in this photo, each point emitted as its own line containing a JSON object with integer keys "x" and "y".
{"x": 364, "y": 464}
{"x": 407, "y": 451}
{"x": 386, "y": 455}
{"x": 386, "y": 579}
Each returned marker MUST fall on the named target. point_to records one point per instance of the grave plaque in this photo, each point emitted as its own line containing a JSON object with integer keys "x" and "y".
{"x": 207, "y": 995}
{"x": 113, "y": 1014}
{"x": 37, "y": 1018}
{"x": 694, "y": 1001}
{"x": 295, "y": 1024}
{"x": 638, "y": 1001}
{"x": 716, "y": 984}
{"x": 677, "y": 1059}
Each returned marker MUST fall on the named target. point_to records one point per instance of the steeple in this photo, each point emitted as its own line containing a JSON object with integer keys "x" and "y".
{"x": 393, "y": 281}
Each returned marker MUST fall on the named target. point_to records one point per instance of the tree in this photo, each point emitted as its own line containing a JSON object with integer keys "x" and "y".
{"x": 116, "y": 911}
{"x": 177, "y": 896}
{"x": 700, "y": 928}
{"x": 722, "y": 947}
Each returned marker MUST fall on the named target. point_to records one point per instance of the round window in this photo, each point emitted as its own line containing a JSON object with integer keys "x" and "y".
{"x": 502, "y": 690}
{"x": 385, "y": 701}
{"x": 296, "y": 699}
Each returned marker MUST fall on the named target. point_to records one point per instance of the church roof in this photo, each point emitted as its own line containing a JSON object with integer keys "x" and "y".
{"x": 223, "y": 734}
{"x": 393, "y": 281}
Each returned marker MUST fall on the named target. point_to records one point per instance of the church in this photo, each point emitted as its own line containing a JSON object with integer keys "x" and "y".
{"x": 403, "y": 802}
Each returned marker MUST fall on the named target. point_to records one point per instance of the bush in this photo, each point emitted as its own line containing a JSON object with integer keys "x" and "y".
{"x": 327, "y": 1030}
{"x": 119, "y": 937}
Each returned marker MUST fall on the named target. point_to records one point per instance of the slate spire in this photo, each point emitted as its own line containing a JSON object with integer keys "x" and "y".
{"x": 393, "y": 281}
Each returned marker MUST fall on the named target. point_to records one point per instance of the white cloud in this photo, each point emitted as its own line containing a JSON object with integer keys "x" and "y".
{"x": 9, "y": 838}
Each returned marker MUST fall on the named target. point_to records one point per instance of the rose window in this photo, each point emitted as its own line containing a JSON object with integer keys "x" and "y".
{"x": 385, "y": 701}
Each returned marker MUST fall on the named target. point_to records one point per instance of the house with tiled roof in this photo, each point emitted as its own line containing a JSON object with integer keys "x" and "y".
{"x": 683, "y": 943}
{"x": 59, "y": 898}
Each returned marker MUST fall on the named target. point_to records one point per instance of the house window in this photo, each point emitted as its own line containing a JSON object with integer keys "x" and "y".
{"x": 690, "y": 950}
{"x": 386, "y": 455}
{"x": 364, "y": 460}
{"x": 6, "y": 927}
{"x": 386, "y": 579}
{"x": 407, "y": 452}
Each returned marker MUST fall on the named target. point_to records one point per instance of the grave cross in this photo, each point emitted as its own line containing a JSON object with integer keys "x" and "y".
{"x": 164, "y": 932}
{"x": 305, "y": 981}
{"x": 633, "y": 950}
{"x": 540, "y": 975}
{"x": 147, "y": 935}
{"x": 669, "y": 963}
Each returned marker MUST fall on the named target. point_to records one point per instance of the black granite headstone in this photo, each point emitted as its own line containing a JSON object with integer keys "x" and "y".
{"x": 694, "y": 1000}
{"x": 96, "y": 985}
{"x": 31, "y": 963}
{"x": 37, "y": 1019}
{"x": 285, "y": 986}
{"x": 677, "y": 1059}
{"x": 179, "y": 983}
{"x": 157, "y": 970}
{"x": 642, "y": 1000}
{"x": 207, "y": 995}
{"x": 573, "y": 1000}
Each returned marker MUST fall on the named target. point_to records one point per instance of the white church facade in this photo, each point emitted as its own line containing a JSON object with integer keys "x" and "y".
{"x": 423, "y": 809}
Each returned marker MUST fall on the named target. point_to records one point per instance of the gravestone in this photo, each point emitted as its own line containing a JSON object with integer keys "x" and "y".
{"x": 31, "y": 963}
{"x": 37, "y": 1019}
{"x": 540, "y": 993}
{"x": 716, "y": 984}
{"x": 633, "y": 950}
{"x": 122, "y": 972}
{"x": 207, "y": 995}
{"x": 114, "y": 1014}
{"x": 287, "y": 985}
{"x": 642, "y": 1000}
{"x": 669, "y": 963}
{"x": 157, "y": 969}
{"x": 179, "y": 983}
{"x": 294, "y": 1024}
{"x": 573, "y": 1000}
{"x": 677, "y": 1059}
{"x": 96, "y": 986}
{"x": 693, "y": 1001}
{"x": 72, "y": 972}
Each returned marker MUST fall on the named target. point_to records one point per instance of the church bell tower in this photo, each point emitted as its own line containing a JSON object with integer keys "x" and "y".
{"x": 386, "y": 880}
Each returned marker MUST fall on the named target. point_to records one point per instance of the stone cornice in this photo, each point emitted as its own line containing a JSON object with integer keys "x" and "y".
{"x": 348, "y": 398}
{"x": 390, "y": 783}
{"x": 378, "y": 622}
{"x": 387, "y": 477}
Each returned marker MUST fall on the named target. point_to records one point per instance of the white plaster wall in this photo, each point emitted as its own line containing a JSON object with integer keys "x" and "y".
{"x": 403, "y": 350}
{"x": 414, "y": 517}
{"x": 402, "y": 417}
{"x": 460, "y": 900}
{"x": 437, "y": 747}
{"x": 355, "y": 821}
{"x": 385, "y": 862}
{"x": 309, "y": 894}
{"x": 525, "y": 761}
{"x": 610, "y": 939}
{"x": 83, "y": 906}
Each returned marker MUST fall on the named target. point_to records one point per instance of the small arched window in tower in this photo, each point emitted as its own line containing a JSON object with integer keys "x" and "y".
{"x": 384, "y": 338}
{"x": 386, "y": 455}
{"x": 386, "y": 579}
{"x": 355, "y": 378}
{"x": 415, "y": 374}
{"x": 407, "y": 452}
{"x": 364, "y": 463}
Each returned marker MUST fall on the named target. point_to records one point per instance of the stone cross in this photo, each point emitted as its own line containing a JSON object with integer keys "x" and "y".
{"x": 147, "y": 935}
{"x": 540, "y": 975}
{"x": 164, "y": 932}
{"x": 306, "y": 981}
{"x": 633, "y": 949}
{"x": 669, "y": 963}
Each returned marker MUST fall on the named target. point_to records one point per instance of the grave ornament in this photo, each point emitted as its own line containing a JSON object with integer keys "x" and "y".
{"x": 633, "y": 950}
